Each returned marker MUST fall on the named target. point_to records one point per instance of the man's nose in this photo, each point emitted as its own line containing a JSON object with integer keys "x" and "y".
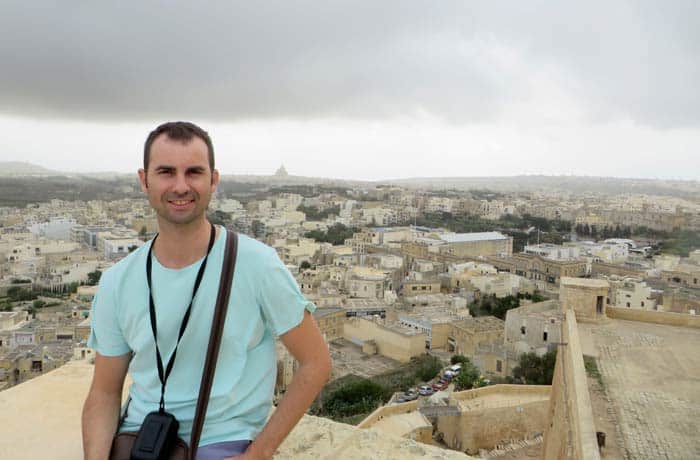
{"x": 180, "y": 185}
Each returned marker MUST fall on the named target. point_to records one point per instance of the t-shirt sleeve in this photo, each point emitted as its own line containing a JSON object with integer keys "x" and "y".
{"x": 105, "y": 334}
{"x": 280, "y": 298}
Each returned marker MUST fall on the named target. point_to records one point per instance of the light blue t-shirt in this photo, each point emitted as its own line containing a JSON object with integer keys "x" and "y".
{"x": 265, "y": 302}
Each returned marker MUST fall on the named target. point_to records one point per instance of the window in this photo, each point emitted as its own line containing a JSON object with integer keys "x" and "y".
{"x": 628, "y": 304}
{"x": 499, "y": 365}
{"x": 522, "y": 330}
{"x": 544, "y": 336}
{"x": 642, "y": 303}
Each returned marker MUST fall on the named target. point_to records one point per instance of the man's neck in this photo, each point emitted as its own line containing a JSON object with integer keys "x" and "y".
{"x": 179, "y": 246}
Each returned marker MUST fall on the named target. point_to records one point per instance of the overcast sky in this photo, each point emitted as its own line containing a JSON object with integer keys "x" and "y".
{"x": 362, "y": 90}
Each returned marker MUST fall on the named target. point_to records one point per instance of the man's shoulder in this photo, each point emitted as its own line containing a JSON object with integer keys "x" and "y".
{"x": 126, "y": 266}
{"x": 250, "y": 247}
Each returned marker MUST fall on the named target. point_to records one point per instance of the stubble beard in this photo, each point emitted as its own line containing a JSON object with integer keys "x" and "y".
{"x": 181, "y": 219}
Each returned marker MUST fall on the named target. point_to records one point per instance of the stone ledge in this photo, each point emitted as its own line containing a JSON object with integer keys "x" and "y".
{"x": 42, "y": 420}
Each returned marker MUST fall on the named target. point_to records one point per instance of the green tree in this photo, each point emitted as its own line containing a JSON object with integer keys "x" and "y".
{"x": 468, "y": 376}
{"x": 38, "y": 304}
{"x": 458, "y": 359}
{"x": 17, "y": 294}
{"x": 305, "y": 265}
{"x": 71, "y": 288}
{"x": 428, "y": 369}
{"x": 94, "y": 277}
{"x": 504, "y": 304}
{"x": 353, "y": 398}
{"x": 536, "y": 370}
{"x": 336, "y": 234}
{"x": 537, "y": 297}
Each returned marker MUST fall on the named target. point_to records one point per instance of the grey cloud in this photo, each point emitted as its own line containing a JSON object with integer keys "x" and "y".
{"x": 296, "y": 59}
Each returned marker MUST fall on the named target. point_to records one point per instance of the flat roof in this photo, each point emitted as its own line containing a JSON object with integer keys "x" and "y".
{"x": 402, "y": 424}
{"x": 584, "y": 282}
{"x": 469, "y": 237}
{"x": 481, "y": 323}
{"x": 325, "y": 311}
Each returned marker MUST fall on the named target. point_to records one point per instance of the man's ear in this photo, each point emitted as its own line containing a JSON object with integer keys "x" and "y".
{"x": 143, "y": 180}
{"x": 214, "y": 180}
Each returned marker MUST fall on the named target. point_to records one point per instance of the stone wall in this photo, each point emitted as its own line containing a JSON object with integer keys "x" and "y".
{"x": 571, "y": 432}
{"x": 486, "y": 428}
{"x": 498, "y": 414}
{"x": 657, "y": 317}
{"x": 45, "y": 414}
{"x": 388, "y": 411}
{"x": 390, "y": 343}
{"x": 482, "y": 248}
{"x": 601, "y": 268}
{"x": 584, "y": 296}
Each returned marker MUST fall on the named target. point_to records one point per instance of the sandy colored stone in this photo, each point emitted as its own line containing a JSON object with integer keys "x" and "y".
{"x": 42, "y": 421}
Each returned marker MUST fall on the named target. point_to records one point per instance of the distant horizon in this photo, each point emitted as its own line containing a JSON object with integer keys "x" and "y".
{"x": 408, "y": 178}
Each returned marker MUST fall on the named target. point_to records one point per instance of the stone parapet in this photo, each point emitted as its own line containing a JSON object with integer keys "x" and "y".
{"x": 657, "y": 317}
{"x": 45, "y": 423}
{"x": 571, "y": 431}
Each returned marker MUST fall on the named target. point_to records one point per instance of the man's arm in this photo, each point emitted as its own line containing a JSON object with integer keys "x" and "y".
{"x": 307, "y": 346}
{"x": 101, "y": 408}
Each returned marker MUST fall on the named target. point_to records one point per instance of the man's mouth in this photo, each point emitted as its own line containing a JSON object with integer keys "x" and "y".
{"x": 179, "y": 203}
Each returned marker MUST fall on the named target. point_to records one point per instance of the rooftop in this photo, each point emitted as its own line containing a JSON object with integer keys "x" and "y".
{"x": 470, "y": 237}
{"x": 584, "y": 282}
{"x": 481, "y": 324}
{"x": 325, "y": 311}
{"x": 402, "y": 424}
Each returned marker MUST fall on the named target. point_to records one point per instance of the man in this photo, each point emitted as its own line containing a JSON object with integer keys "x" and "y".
{"x": 179, "y": 178}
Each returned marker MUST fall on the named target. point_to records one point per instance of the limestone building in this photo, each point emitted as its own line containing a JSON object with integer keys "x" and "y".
{"x": 469, "y": 333}
{"x": 586, "y": 297}
{"x": 534, "y": 328}
{"x": 390, "y": 339}
{"x": 630, "y": 293}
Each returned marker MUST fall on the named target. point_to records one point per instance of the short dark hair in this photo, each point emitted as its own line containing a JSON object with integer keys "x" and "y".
{"x": 178, "y": 131}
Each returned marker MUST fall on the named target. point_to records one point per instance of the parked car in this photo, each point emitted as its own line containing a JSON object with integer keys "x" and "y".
{"x": 453, "y": 370}
{"x": 425, "y": 390}
{"x": 410, "y": 395}
{"x": 440, "y": 385}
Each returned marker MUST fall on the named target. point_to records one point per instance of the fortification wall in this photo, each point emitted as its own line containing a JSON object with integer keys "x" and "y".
{"x": 504, "y": 391}
{"x": 388, "y": 411}
{"x": 45, "y": 414}
{"x": 485, "y": 428}
{"x": 657, "y": 317}
{"x": 571, "y": 432}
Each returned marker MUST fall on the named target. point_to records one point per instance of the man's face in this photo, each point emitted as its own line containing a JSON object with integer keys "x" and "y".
{"x": 179, "y": 183}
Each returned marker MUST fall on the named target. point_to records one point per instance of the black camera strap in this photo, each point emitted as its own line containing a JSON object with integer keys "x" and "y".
{"x": 163, "y": 376}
